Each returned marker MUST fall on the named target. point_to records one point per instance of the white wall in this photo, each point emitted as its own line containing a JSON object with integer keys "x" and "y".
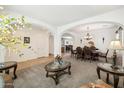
{"x": 39, "y": 41}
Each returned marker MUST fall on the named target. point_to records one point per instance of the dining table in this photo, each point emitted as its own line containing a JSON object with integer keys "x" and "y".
{"x": 95, "y": 54}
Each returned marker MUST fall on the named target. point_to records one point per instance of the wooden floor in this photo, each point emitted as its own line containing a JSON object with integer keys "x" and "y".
{"x": 30, "y": 63}
{"x": 31, "y": 74}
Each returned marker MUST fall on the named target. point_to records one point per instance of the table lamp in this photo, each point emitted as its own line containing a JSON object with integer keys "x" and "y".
{"x": 115, "y": 45}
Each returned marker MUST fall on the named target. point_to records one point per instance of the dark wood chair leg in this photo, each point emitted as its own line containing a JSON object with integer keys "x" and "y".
{"x": 106, "y": 60}
{"x": 107, "y": 79}
{"x": 69, "y": 72}
{"x": 56, "y": 80}
{"x": 98, "y": 73}
{"x": 7, "y": 71}
{"x": 14, "y": 72}
{"x": 116, "y": 80}
{"x": 47, "y": 74}
{"x": 1, "y": 71}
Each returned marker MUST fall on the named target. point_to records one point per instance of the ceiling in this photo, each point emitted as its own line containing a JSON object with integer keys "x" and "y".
{"x": 58, "y": 15}
{"x": 93, "y": 26}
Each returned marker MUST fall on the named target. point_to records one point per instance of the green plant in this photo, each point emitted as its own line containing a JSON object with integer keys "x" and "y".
{"x": 8, "y": 26}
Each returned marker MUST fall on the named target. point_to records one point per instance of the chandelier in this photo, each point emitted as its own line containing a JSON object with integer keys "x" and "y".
{"x": 88, "y": 36}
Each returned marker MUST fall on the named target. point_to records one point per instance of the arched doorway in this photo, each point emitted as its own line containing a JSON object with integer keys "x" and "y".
{"x": 102, "y": 33}
{"x": 67, "y": 43}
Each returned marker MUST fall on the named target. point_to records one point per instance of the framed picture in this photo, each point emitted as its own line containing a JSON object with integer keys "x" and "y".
{"x": 26, "y": 40}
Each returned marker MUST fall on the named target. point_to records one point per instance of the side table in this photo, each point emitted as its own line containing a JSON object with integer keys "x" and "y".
{"x": 106, "y": 67}
{"x": 6, "y": 66}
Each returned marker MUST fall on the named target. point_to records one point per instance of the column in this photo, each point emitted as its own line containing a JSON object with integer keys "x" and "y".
{"x": 57, "y": 44}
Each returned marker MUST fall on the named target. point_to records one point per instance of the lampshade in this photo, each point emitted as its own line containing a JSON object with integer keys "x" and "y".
{"x": 116, "y": 45}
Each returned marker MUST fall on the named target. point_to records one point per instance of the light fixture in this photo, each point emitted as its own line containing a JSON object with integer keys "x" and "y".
{"x": 67, "y": 37}
{"x": 117, "y": 32}
{"x": 115, "y": 45}
{"x": 1, "y": 7}
{"x": 88, "y": 36}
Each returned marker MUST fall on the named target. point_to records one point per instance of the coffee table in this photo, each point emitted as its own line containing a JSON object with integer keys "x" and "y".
{"x": 106, "y": 67}
{"x": 55, "y": 70}
{"x": 6, "y": 66}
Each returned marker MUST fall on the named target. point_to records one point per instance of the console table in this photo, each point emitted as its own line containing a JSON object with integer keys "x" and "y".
{"x": 106, "y": 67}
{"x": 6, "y": 66}
{"x": 55, "y": 70}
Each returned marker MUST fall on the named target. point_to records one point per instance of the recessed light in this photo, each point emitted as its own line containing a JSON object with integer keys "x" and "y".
{"x": 67, "y": 37}
{"x": 1, "y": 7}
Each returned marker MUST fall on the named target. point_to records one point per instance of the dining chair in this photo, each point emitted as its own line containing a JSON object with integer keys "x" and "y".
{"x": 87, "y": 53}
{"x": 104, "y": 55}
{"x": 79, "y": 52}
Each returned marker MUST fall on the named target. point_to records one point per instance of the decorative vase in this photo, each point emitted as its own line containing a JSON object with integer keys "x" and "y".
{"x": 2, "y": 53}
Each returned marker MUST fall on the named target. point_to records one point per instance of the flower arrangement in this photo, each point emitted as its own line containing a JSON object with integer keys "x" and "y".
{"x": 58, "y": 59}
{"x": 8, "y": 26}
